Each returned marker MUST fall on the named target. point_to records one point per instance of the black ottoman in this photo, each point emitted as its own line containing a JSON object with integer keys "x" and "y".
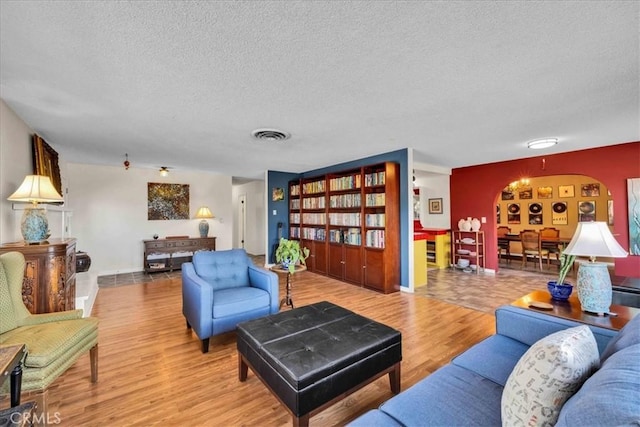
{"x": 313, "y": 356}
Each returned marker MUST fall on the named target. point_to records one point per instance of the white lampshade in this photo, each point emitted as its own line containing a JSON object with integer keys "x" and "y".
{"x": 204, "y": 212}
{"x": 593, "y": 239}
{"x": 35, "y": 189}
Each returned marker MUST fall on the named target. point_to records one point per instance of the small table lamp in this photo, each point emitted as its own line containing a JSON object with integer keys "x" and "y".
{"x": 594, "y": 239}
{"x": 204, "y": 213}
{"x": 35, "y": 189}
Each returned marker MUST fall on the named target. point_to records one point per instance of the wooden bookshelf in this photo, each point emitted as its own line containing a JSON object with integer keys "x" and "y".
{"x": 350, "y": 222}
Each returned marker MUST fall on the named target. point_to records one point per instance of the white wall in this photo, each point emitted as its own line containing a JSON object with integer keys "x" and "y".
{"x": 110, "y": 212}
{"x": 16, "y": 162}
{"x": 434, "y": 187}
{"x": 433, "y": 182}
{"x": 254, "y": 235}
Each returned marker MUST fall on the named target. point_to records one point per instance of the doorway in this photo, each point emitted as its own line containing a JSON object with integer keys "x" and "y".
{"x": 242, "y": 220}
{"x": 549, "y": 202}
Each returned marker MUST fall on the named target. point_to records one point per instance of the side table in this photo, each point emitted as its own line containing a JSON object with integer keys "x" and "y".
{"x": 287, "y": 300}
{"x": 11, "y": 365}
{"x": 572, "y": 310}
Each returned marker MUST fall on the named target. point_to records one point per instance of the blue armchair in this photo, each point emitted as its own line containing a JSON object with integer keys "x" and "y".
{"x": 223, "y": 288}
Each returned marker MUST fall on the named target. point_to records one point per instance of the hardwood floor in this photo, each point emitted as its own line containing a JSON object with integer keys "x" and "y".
{"x": 152, "y": 372}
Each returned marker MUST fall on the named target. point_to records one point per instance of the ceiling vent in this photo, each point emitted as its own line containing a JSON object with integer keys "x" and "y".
{"x": 270, "y": 135}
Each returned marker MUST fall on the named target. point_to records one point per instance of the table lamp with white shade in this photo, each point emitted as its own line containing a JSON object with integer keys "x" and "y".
{"x": 204, "y": 213}
{"x": 593, "y": 239}
{"x": 35, "y": 189}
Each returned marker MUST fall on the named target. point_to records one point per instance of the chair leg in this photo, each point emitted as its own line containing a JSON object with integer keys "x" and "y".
{"x": 205, "y": 345}
{"x": 93, "y": 356}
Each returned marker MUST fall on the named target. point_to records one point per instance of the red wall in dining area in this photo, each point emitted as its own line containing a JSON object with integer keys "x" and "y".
{"x": 475, "y": 189}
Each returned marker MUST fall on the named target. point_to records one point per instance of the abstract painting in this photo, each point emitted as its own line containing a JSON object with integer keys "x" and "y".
{"x": 167, "y": 201}
{"x": 633, "y": 201}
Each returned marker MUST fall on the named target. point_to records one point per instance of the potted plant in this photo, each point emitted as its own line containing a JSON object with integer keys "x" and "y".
{"x": 559, "y": 289}
{"x": 289, "y": 254}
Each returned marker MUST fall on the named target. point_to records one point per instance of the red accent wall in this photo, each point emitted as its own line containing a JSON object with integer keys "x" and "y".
{"x": 475, "y": 190}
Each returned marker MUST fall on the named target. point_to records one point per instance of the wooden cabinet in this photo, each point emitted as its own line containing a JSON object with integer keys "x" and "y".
{"x": 350, "y": 222}
{"x": 50, "y": 274}
{"x": 468, "y": 245}
{"x": 169, "y": 254}
{"x": 317, "y": 261}
{"x": 345, "y": 263}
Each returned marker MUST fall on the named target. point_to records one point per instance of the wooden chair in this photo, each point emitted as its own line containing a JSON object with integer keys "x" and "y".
{"x": 532, "y": 246}
{"x": 504, "y": 244}
{"x": 552, "y": 247}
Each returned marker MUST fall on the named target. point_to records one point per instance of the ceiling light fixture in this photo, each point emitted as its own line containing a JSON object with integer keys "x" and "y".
{"x": 521, "y": 184}
{"x": 164, "y": 171}
{"x": 539, "y": 144}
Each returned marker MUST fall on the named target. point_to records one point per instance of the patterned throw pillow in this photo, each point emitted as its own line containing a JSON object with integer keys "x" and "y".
{"x": 548, "y": 374}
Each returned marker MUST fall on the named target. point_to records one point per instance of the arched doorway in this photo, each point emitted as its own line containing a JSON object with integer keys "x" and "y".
{"x": 554, "y": 201}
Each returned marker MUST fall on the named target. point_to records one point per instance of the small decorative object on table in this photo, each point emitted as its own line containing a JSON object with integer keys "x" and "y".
{"x": 289, "y": 253}
{"x": 558, "y": 289}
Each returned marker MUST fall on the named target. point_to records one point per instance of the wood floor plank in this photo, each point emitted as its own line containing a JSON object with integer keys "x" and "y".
{"x": 152, "y": 372}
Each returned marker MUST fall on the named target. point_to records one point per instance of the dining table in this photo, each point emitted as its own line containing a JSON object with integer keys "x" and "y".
{"x": 515, "y": 237}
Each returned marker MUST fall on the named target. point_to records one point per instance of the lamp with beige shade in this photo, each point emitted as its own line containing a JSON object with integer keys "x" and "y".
{"x": 35, "y": 189}
{"x": 204, "y": 213}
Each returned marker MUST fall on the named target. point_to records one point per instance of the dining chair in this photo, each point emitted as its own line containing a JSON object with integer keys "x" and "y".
{"x": 503, "y": 243}
{"x": 552, "y": 247}
{"x": 532, "y": 246}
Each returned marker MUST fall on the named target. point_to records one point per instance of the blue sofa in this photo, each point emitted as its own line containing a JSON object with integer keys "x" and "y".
{"x": 223, "y": 288}
{"x": 468, "y": 391}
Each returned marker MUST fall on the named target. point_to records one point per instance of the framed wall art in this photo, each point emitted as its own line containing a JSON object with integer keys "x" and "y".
{"x": 587, "y": 211}
{"x": 513, "y": 213}
{"x": 435, "y": 206}
{"x": 535, "y": 213}
{"x": 167, "y": 201}
{"x": 633, "y": 202}
{"x": 507, "y": 194}
{"x": 590, "y": 190}
{"x": 545, "y": 192}
{"x": 526, "y": 193}
{"x": 566, "y": 191}
{"x": 277, "y": 194}
{"x": 559, "y": 213}
{"x": 45, "y": 162}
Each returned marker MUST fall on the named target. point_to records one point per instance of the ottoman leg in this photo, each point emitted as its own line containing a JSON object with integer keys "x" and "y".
{"x": 394, "y": 379}
{"x": 302, "y": 421}
{"x": 242, "y": 368}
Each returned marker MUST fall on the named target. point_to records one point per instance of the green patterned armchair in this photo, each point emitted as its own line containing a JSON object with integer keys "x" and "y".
{"x": 54, "y": 341}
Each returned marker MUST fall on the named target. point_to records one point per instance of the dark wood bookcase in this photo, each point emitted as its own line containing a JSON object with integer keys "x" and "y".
{"x": 350, "y": 222}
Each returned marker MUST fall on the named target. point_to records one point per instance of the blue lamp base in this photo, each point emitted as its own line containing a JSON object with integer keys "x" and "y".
{"x": 594, "y": 287}
{"x": 34, "y": 226}
{"x": 203, "y": 227}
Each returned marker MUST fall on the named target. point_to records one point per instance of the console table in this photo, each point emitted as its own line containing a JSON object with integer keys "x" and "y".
{"x": 169, "y": 254}
{"x": 572, "y": 310}
{"x": 49, "y": 283}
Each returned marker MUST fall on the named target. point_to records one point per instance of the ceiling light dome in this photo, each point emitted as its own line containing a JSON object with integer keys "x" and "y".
{"x": 538, "y": 144}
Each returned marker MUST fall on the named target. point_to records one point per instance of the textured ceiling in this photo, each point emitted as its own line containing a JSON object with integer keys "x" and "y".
{"x": 183, "y": 84}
